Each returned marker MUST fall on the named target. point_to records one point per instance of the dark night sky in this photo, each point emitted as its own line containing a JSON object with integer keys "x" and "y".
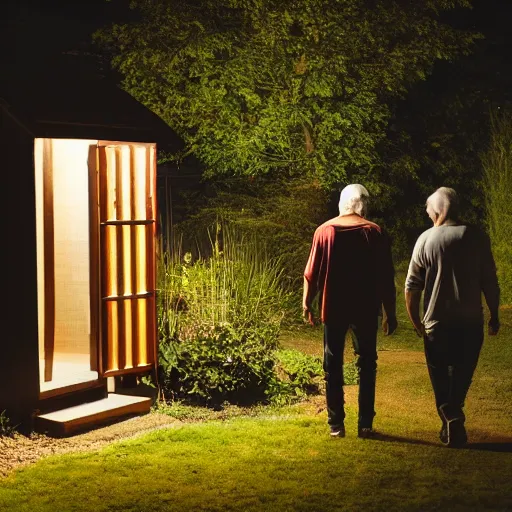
{"x": 50, "y": 25}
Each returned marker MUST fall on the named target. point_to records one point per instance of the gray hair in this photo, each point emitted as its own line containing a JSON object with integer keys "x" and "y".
{"x": 444, "y": 202}
{"x": 354, "y": 199}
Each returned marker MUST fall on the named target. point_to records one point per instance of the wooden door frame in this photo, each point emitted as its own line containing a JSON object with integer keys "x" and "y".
{"x": 151, "y": 243}
{"x": 95, "y": 245}
{"x": 94, "y": 253}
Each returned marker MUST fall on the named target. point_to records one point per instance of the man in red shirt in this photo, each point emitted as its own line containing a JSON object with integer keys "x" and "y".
{"x": 351, "y": 268}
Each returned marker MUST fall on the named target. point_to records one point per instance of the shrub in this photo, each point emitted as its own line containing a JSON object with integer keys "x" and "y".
{"x": 282, "y": 215}
{"x": 219, "y": 318}
{"x": 221, "y": 363}
{"x": 7, "y": 429}
{"x": 299, "y": 375}
{"x": 350, "y": 374}
{"x": 302, "y": 372}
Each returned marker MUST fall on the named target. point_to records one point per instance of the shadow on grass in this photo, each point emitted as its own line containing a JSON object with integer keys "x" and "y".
{"x": 379, "y": 436}
{"x": 490, "y": 446}
{"x": 505, "y": 447}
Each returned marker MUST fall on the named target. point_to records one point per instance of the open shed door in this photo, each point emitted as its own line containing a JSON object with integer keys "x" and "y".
{"x": 126, "y": 178}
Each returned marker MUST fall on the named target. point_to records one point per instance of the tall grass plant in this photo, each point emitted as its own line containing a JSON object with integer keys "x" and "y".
{"x": 497, "y": 165}
{"x": 235, "y": 283}
{"x": 219, "y": 319}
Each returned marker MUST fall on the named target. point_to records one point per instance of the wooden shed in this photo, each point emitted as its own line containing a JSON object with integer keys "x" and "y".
{"x": 79, "y": 168}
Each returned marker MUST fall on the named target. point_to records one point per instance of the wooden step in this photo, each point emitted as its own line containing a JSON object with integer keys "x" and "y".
{"x": 91, "y": 414}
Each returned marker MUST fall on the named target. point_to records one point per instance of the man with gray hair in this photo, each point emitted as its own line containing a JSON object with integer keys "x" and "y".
{"x": 452, "y": 264}
{"x": 351, "y": 269}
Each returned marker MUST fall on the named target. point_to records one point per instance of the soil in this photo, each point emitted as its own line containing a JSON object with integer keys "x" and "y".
{"x": 20, "y": 450}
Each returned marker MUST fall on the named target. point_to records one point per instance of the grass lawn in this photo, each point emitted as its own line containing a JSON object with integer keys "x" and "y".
{"x": 284, "y": 460}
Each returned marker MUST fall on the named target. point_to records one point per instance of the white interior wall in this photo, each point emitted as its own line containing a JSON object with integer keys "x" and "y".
{"x": 69, "y": 161}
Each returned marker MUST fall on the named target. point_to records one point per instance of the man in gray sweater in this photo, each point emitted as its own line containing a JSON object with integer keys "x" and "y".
{"x": 452, "y": 264}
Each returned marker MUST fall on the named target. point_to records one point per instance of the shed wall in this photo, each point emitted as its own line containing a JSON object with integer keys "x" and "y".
{"x": 19, "y": 372}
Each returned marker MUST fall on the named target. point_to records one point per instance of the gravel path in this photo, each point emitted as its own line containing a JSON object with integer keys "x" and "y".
{"x": 22, "y": 450}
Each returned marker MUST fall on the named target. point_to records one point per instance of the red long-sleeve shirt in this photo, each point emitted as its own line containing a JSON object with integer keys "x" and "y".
{"x": 350, "y": 265}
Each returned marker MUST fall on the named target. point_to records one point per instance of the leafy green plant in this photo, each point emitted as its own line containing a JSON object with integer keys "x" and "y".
{"x": 350, "y": 373}
{"x": 299, "y": 374}
{"x": 222, "y": 363}
{"x": 303, "y": 372}
{"x": 7, "y": 429}
{"x": 219, "y": 318}
{"x": 281, "y": 215}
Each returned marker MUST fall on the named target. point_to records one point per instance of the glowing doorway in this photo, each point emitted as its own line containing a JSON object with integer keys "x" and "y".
{"x": 63, "y": 257}
{"x": 96, "y": 228}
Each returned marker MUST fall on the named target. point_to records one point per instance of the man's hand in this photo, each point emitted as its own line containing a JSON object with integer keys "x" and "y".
{"x": 307, "y": 300}
{"x": 412, "y": 304}
{"x": 389, "y": 325}
{"x": 493, "y": 327}
{"x": 308, "y": 315}
{"x": 419, "y": 330}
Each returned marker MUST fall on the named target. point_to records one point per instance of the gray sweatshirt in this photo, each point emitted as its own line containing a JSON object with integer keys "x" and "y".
{"x": 454, "y": 264}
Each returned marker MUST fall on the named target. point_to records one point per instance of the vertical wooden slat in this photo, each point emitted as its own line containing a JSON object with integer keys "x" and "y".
{"x": 94, "y": 291}
{"x": 141, "y": 192}
{"x": 121, "y": 347}
{"x": 49, "y": 261}
{"x": 109, "y": 212}
{"x": 112, "y": 256}
{"x": 112, "y": 327}
{"x": 102, "y": 177}
{"x": 135, "y": 265}
{"x": 142, "y": 331}
{"x": 111, "y": 183}
{"x": 151, "y": 314}
{"x": 125, "y": 214}
{"x": 118, "y": 229}
{"x": 103, "y": 255}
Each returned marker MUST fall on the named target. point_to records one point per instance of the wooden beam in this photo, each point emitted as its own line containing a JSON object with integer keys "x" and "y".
{"x": 49, "y": 261}
{"x": 94, "y": 279}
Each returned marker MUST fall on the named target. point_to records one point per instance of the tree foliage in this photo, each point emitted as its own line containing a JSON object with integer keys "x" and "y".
{"x": 282, "y": 87}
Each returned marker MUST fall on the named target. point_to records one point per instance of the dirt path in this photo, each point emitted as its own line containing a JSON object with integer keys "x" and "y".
{"x": 21, "y": 450}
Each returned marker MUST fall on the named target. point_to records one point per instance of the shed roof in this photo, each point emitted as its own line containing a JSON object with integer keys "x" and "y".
{"x": 59, "y": 104}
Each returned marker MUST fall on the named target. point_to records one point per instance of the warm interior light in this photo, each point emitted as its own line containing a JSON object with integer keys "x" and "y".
{"x": 125, "y": 196}
{"x": 142, "y": 334}
{"x": 127, "y": 260}
{"x": 140, "y": 173}
{"x": 111, "y": 170}
{"x": 113, "y": 335}
{"x": 111, "y": 263}
{"x": 63, "y": 237}
{"x": 141, "y": 263}
{"x": 128, "y": 333}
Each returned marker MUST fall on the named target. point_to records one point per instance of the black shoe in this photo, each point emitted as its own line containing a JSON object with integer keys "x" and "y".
{"x": 338, "y": 430}
{"x": 457, "y": 436}
{"x": 453, "y": 433}
{"x": 366, "y": 433}
{"x": 443, "y": 435}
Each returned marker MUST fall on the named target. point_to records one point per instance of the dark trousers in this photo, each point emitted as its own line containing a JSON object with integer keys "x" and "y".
{"x": 364, "y": 340}
{"x": 452, "y": 355}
